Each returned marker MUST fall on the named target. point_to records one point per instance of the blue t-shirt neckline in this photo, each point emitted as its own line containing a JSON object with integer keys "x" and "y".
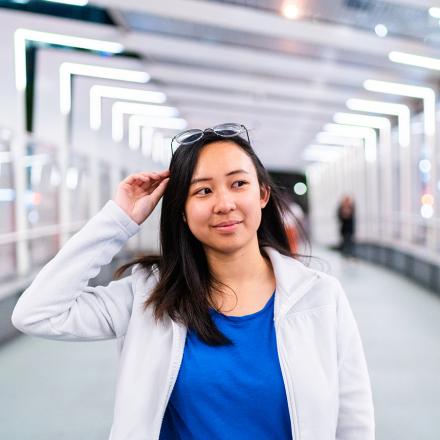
{"x": 244, "y": 317}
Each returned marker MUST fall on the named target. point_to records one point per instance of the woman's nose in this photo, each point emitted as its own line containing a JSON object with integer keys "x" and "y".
{"x": 224, "y": 202}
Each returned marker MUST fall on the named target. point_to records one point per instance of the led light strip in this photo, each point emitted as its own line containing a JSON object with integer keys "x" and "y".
{"x": 21, "y": 36}
{"x": 368, "y": 134}
{"x": 400, "y": 110}
{"x": 67, "y": 70}
{"x": 119, "y": 109}
{"x": 97, "y": 92}
{"x": 135, "y": 122}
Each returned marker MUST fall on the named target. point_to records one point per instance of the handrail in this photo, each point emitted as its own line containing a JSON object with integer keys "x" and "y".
{"x": 42, "y": 231}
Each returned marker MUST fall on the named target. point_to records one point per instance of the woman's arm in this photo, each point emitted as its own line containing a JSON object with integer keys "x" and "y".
{"x": 59, "y": 304}
{"x": 356, "y": 413}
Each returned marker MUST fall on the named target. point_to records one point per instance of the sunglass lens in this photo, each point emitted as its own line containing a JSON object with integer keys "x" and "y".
{"x": 189, "y": 136}
{"x": 228, "y": 130}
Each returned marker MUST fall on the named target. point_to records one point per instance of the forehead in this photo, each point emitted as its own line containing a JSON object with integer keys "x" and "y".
{"x": 220, "y": 157}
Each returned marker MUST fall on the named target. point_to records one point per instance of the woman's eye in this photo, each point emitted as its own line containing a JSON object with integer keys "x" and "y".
{"x": 203, "y": 189}
{"x": 240, "y": 182}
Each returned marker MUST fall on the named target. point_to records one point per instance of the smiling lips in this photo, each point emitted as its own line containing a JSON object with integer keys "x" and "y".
{"x": 227, "y": 223}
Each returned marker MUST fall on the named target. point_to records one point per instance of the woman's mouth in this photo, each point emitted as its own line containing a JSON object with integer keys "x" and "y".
{"x": 227, "y": 226}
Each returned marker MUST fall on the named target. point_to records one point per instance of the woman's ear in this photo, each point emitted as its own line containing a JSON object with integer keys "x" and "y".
{"x": 264, "y": 195}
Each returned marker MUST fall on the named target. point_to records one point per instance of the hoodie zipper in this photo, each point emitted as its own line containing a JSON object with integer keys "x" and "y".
{"x": 288, "y": 385}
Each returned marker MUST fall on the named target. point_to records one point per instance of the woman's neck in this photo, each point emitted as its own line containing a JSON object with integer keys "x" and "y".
{"x": 248, "y": 273}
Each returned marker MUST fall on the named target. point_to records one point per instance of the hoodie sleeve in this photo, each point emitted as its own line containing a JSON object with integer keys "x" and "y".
{"x": 356, "y": 413}
{"x": 60, "y": 305}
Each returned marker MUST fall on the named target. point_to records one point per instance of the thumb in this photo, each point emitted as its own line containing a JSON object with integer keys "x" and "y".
{"x": 158, "y": 191}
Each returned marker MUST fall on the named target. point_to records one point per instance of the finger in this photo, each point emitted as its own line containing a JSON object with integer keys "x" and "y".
{"x": 153, "y": 186}
{"x": 158, "y": 192}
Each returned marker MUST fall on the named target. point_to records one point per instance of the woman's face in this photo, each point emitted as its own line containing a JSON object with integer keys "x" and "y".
{"x": 223, "y": 207}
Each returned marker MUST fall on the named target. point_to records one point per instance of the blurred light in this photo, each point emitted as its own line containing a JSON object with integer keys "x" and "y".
{"x": 320, "y": 156}
{"x": 72, "y": 177}
{"x": 93, "y": 71}
{"x": 330, "y": 138}
{"x": 425, "y": 166}
{"x": 137, "y": 121}
{"x": 414, "y": 60}
{"x": 55, "y": 177}
{"x": 362, "y": 120}
{"x": 7, "y": 195}
{"x": 147, "y": 141}
{"x": 120, "y": 108}
{"x": 426, "y": 211}
{"x": 23, "y": 35}
{"x": 300, "y": 188}
{"x": 290, "y": 11}
{"x": 97, "y": 92}
{"x": 425, "y": 93}
{"x": 427, "y": 199}
{"x": 434, "y": 12}
{"x": 36, "y": 198}
{"x": 398, "y": 88}
{"x": 33, "y": 217}
{"x": 381, "y": 30}
{"x": 70, "y": 2}
{"x": 368, "y": 134}
{"x": 387, "y": 108}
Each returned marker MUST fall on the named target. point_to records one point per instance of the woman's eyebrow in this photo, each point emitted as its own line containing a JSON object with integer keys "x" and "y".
{"x": 203, "y": 179}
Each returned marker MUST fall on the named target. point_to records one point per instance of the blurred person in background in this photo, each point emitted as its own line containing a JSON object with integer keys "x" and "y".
{"x": 347, "y": 222}
{"x": 295, "y": 225}
{"x": 225, "y": 334}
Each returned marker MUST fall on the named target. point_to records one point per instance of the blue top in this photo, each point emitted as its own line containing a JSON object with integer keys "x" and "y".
{"x": 233, "y": 392}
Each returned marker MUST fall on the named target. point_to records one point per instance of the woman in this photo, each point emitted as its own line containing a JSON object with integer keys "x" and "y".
{"x": 224, "y": 335}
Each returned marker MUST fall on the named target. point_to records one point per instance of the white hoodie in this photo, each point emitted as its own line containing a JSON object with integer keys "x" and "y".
{"x": 321, "y": 355}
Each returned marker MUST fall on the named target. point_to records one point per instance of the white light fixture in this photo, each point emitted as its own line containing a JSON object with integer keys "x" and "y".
{"x": 332, "y": 139}
{"x": 368, "y": 134}
{"x": 425, "y": 93}
{"x": 414, "y": 60}
{"x": 381, "y": 30}
{"x": 135, "y": 122}
{"x": 97, "y": 92}
{"x": 21, "y": 36}
{"x": 69, "y": 69}
{"x": 119, "y": 109}
{"x": 70, "y": 2}
{"x": 400, "y": 110}
{"x": 434, "y": 12}
{"x": 290, "y": 10}
{"x": 362, "y": 120}
{"x": 322, "y": 153}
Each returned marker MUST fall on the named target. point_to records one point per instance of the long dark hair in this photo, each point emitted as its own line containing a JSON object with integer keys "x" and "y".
{"x": 185, "y": 286}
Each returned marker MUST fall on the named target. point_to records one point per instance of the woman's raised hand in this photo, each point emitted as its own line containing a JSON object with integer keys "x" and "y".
{"x": 138, "y": 194}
